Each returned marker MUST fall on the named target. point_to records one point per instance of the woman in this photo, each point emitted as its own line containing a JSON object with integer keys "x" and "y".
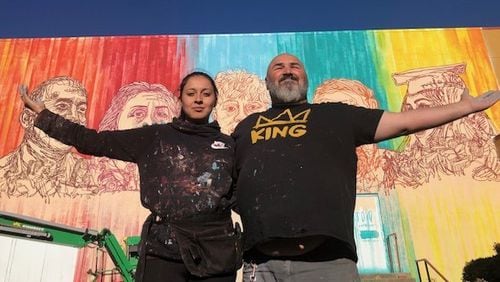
{"x": 185, "y": 170}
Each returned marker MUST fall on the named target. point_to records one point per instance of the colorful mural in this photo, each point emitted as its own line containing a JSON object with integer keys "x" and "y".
{"x": 437, "y": 189}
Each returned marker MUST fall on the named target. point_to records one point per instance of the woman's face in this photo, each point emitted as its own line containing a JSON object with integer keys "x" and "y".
{"x": 198, "y": 99}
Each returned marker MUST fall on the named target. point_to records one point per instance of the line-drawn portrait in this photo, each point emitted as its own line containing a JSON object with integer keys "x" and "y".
{"x": 458, "y": 148}
{"x": 136, "y": 104}
{"x": 44, "y": 166}
{"x": 240, "y": 94}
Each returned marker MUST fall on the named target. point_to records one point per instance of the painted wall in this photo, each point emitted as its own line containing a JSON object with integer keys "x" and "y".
{"x": 437, "y": 189}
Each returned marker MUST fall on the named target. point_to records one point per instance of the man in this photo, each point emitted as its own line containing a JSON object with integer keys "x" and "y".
{"x": 42, "y": 166}
{"x": 298, "y": 213}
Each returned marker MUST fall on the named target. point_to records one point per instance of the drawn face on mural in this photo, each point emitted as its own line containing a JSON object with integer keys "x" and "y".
{"x": 44, "y": 166}
{"x": 457, "y": 143}
{"x": 198, "y": 98}
{"x": 240, "y": 94}
{"x": 140, "y": 103}
{"x": 342, "y": 96}
{"x": 286, "y": 79}
{"x": 145, "y": 108}
{"x": 61, "y": 96}
{"x": 232, "y": 111}
{"x": 68, "y": 102}
{"x": 444, "y": 86}
{"x": 135, "y": 104}
{"x": 351, "y": 92}
{"x": 434, "y": 90}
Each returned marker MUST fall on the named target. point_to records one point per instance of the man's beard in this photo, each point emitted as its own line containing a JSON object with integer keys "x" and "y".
{"x": 287, "y": 93}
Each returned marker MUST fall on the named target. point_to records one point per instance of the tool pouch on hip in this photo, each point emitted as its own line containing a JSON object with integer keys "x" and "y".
{"x": 209, "y": 248}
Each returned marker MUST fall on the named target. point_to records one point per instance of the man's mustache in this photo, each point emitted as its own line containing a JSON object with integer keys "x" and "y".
{"x": 288, "y": 76}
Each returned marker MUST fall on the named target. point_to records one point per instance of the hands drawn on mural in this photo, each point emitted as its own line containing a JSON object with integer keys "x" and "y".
{"x": 374, "y": 164}
{"x": 451, "y": 149}
{"x": 136, "y": 104}
{"x": 40, "y": 165}
{"x": 240, "y": 94}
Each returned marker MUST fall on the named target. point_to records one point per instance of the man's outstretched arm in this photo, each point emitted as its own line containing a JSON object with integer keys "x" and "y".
{"x": 396, "y": 124}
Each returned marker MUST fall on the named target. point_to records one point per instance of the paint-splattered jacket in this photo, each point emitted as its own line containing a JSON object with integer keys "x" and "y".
{"x": 185, "y": 169}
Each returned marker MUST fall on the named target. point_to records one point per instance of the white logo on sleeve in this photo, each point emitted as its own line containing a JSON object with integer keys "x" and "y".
{"x": 218, "y": 145}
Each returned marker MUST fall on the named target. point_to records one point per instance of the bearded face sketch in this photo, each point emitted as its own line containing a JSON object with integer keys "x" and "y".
{"x": 136, "y": 104}
{"x": 374, "y": 164}
{"x": 42, "y": 166}
{"x": 451, "y": 149}
{"x": 240, "y": 94}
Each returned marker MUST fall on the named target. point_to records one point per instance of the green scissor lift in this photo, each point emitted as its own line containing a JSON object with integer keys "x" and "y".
{"x": 35, "y": 229}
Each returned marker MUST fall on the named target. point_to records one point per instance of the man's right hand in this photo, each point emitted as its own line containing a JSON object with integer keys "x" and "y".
{"x": 35, "y": 106}
{"x": 481, "y": 102}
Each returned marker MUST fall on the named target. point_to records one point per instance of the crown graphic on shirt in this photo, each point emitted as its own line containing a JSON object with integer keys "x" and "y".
{"x": 285, "y": 117}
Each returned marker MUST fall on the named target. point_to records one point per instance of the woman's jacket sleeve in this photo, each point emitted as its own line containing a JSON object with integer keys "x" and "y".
{"x": 125, "y": 145}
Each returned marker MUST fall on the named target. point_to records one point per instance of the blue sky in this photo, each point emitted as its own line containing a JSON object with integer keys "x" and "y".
{"x": 39, "y": 18}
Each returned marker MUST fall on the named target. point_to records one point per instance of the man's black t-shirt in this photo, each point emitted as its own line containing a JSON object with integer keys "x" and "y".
{"x": 297, "y": 170}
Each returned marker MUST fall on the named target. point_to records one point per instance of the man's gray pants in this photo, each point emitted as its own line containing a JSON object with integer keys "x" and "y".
{"x": 339, "y": 270}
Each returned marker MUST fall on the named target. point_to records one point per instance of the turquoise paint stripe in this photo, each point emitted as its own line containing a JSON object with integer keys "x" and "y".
{"x": 250, "y": 52}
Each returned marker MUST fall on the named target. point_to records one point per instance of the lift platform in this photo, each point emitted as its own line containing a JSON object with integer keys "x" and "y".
{"x": 20, "y": 226}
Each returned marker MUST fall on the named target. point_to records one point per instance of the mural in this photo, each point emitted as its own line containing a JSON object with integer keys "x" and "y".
{"x": 110, "y": 83}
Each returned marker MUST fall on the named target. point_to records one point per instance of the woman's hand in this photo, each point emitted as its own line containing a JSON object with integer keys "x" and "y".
{"x": 35, "y": 106}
